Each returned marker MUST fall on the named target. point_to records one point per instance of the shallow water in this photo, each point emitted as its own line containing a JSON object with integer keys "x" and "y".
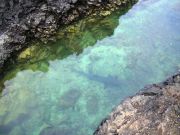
{"x": 69, "y": 90}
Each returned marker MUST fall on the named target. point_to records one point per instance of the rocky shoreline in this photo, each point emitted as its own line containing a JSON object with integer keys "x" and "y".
{"x": 155, "y": 110}
{"x": 22, "y": 21}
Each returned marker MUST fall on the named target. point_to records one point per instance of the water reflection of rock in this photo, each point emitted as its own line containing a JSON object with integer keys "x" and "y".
{"x": 71, "y": 39}
{"x": 24, "y": 21}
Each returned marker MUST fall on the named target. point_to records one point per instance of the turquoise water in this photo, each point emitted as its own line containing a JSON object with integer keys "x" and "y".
{"x": 71, "y": 94}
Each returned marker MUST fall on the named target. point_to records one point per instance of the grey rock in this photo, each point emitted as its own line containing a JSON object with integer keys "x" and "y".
{"x": 24, "y": 20}
{"x": 155, "y": 110}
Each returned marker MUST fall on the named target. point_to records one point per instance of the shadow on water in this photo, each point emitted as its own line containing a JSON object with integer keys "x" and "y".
{"x": 5, "y": 129}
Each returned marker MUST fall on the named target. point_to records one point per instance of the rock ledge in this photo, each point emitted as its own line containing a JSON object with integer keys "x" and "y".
{"x": 153, "y": 111}
{"x": 22, "y": 21}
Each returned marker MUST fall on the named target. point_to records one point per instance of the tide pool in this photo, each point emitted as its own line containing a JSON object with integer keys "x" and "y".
{"x": 68, "y": 87}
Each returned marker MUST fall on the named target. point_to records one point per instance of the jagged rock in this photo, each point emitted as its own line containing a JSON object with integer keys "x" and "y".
{"x": 153, "y": 111}
{"x": 23, "y": 20}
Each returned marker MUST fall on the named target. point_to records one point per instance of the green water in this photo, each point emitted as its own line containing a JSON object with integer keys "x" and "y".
{"x": 68, "y": 87}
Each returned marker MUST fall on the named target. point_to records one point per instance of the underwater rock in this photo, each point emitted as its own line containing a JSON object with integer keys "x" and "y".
{"x": 92, "y": 105}
{"x": 153, "y": 111}
{"x": 22, "y": 21}
{"x": 69, "y": 99}
{"x": 56, "y": 131}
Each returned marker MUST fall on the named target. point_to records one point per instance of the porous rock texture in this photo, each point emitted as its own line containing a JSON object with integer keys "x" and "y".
{"x": 153, "y": 111}
{"x": 24, "y": 20}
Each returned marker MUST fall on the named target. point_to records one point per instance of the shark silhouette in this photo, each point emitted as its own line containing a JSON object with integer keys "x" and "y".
{"x": 108, "y": 81}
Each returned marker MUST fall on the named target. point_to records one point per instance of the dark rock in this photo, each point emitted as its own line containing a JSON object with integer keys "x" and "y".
{"x": 153, "y": 111}
{"x": 24, "y": 20}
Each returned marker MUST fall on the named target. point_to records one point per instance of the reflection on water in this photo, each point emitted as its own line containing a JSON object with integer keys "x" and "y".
{"x": 70, "y": 40}
{"x": 71, "y": 96}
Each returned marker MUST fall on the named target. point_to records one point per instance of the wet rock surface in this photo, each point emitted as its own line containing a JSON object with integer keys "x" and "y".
{"x": 24, "y": 20}
{"x": 153, "y": 111}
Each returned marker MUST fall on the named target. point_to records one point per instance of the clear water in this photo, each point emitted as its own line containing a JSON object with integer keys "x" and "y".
{"x": 69, "y": 90}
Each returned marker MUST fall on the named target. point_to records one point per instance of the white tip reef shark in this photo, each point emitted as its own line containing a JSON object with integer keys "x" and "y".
{"x": 107, "y": 81}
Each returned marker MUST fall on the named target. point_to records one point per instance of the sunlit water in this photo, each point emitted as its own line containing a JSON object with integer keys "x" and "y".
{"x": 69, "y": 94}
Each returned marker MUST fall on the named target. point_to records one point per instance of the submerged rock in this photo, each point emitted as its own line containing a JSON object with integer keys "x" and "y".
{"x": 24, "y": 20}
{"x": 153, "y": 111}
{"x": 69, "y": 99}
{"x": 56, "y": 131}
{"x": 92, "y": 105}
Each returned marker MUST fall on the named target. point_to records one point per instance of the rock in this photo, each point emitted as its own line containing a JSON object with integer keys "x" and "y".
{"x": 153, "y": 111}
{"x": 25, "y": 20}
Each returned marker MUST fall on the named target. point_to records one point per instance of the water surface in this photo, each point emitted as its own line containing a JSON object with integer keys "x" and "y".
{"x": 69, "y": 92}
